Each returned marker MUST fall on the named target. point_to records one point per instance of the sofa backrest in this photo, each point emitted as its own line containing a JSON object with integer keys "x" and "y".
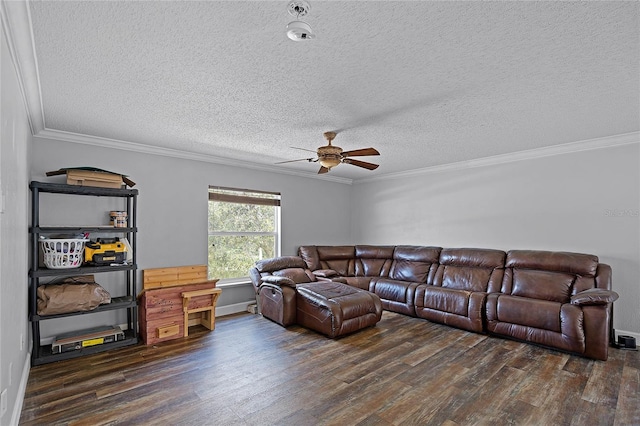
{"x": 339, "y": 258}
{"x": 373, "y": 261}
{"x": 470, "y": 269}
{"x": 547, "y": 275}
{"x": 278, "y": 263}
{"x": 414, "y": 263}
{"x": 291, "y": 267}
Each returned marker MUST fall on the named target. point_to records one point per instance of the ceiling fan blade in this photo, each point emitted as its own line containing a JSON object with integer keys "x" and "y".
{"x": 303, "y": 149}
{"x": 322, "y": 170}
{"x": 360, "y": 152}
{"x": 293, "y": 161}
{"x": 362, "y": 164}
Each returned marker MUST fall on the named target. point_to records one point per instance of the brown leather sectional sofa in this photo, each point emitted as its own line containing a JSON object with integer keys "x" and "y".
{"x": 556, "y": 299}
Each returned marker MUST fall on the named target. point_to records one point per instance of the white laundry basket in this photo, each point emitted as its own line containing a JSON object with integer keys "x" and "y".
{"x": 63, "y": 253}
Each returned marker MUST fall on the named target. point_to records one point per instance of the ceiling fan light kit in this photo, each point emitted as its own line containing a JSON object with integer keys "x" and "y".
{"x": 330, "y": 156}
{"x": 299, "y": 30}
{"x": 329, "y": 161}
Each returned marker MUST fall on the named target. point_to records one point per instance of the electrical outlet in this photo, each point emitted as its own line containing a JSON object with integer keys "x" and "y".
{"x": 3, "y": 402}
{"x": 10, "y": 370}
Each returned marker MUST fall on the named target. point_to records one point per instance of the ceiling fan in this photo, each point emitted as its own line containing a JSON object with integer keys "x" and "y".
{"x": 330, "y": 156}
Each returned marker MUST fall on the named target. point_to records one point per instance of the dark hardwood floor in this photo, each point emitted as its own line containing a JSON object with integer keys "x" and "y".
{"x": 250, "y": 371}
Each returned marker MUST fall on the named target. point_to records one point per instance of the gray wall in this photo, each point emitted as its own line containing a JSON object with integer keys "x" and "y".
{"x": 584, "y": 202}
{"x": 172, "y": 209}
{"x": 15, "y": 139}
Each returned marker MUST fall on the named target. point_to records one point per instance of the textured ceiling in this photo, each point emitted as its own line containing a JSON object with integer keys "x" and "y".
{"x": 426, "y": 83}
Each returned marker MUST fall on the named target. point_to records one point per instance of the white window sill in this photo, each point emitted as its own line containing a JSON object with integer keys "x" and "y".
{"x": 233, "y": 283}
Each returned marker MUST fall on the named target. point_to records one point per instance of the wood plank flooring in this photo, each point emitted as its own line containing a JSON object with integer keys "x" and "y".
{"x": 404, "y": 371}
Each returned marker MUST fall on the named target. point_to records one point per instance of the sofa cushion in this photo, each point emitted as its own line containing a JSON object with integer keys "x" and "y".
{"x": 584, "y": 265}
{"x": 457, "y": 308}
{"x": 444, "y": 299}
{"x": 542, "y": 314}
{"x": 336, "y": 252}
{"x": 465, "y": 278}
{"x": 339, "y": 258}
{"x": 479, "y": 270}
{"x": 297, "y": 275}
{"x": 309, "y": 255}
{"x": 413, "y": 263}
{"x": 373, "y": 261}
{"x": 277, "y": 263}
{"x": 359, "y": 282}
{"x": 273, "y": 279}
{"x": 543, "y": 285}
{"x": 405, "y": 270}
{"x": 397, "y": 296}
{"x": 547, "y": 323}
{"x": 325, "y": 273}
{"x": 374, "y": 252}
{"x": 473, "y": 257}
{"x": 392, "y": 290}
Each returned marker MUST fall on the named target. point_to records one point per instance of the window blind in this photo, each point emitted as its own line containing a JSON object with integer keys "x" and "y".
{"x": 244, "y": 196}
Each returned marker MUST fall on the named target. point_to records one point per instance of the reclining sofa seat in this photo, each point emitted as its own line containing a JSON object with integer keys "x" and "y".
{"x": 555, "y": 299}
{"x": 411, "y": 267}
{"x": 332, "y": 260}
{"x": 276, "y": 297}
{"x": 456, "y": 294}
{"x": 289, "y": 293}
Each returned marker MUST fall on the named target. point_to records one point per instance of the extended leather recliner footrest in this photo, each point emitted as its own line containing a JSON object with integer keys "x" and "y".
{"x": 335, "y": 309}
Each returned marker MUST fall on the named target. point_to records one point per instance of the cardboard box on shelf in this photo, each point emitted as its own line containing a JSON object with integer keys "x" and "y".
{"x": 91, "y": 176}
{"x": 99, "y": 179}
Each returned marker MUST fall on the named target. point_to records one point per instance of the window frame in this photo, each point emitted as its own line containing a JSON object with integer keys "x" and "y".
{"x": 222, "y": 196}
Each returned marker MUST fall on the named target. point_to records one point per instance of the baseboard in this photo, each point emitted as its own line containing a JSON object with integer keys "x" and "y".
{"x": 233, "y": 309}
{"x": 22, "y": 389}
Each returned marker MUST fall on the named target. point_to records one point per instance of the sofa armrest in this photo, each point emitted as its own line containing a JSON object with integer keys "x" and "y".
{"x": 594, "y": 296}
{"x": 280, "y": 281}
{"x": 278, "y": 303}
{"x": 325, "y": 273}
{"x": 254, "y": 274}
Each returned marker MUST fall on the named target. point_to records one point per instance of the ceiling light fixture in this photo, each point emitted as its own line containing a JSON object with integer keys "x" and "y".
{"x": 299, "y": 30}
{"x": 330, "y": 161}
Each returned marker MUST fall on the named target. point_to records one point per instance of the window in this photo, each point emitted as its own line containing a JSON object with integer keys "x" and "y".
{"x": 244, "y": 226}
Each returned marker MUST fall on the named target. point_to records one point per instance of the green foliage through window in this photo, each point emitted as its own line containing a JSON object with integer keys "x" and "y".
{"x": 243, "y": 227}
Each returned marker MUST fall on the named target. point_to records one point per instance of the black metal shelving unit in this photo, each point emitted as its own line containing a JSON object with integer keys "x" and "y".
{"x": 42, "y": 354}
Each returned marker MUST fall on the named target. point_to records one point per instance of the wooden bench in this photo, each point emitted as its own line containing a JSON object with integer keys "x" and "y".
{"x": 173, "y": 299}
{"x": 200, "y": 315}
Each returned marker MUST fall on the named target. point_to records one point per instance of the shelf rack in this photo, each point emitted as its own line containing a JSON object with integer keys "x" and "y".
{"x": 42, "y": 354}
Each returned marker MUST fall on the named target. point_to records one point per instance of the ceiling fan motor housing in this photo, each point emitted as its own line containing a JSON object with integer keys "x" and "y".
{"x": 330, "y": 156}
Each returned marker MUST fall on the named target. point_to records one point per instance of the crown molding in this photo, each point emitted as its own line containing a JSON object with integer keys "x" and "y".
{"x": 174, "y": 153}
{"x": 16, "y": 25}
{"x": 567, "y": 148}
